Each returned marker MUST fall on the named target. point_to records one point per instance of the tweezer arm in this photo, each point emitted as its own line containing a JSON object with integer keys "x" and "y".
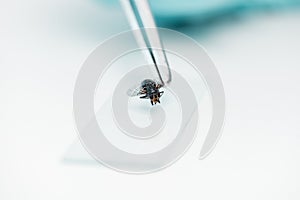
{"x": 141, "y": 20}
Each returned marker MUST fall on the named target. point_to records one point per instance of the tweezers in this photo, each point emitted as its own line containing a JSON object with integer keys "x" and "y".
{"x": 146, "y": 34}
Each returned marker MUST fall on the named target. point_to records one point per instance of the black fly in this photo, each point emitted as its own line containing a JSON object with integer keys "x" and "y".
{"x": 148, "y": 89}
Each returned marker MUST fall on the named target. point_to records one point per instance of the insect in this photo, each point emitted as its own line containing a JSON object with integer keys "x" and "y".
{"x": 148, "y": 89}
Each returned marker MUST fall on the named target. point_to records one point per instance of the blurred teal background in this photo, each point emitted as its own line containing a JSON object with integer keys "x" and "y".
{"x": 176, "y": 13}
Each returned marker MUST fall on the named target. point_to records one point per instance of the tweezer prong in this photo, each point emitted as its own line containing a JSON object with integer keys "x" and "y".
{"x": 141, "y": 19}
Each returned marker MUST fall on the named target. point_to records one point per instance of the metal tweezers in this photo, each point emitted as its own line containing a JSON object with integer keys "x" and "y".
{"x": 146, "y": 34}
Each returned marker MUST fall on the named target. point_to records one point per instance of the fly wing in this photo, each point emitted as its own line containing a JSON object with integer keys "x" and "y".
{"x": 134, "y": 91}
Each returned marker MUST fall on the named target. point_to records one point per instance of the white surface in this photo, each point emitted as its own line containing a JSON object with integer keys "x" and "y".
{"x": 42, "y": 45}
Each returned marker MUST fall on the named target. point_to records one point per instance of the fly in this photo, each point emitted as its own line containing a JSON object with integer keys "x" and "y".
{"x": 148, "y": 89}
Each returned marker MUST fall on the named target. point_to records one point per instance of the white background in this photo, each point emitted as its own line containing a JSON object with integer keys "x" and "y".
{"x": 42, "y": 45}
